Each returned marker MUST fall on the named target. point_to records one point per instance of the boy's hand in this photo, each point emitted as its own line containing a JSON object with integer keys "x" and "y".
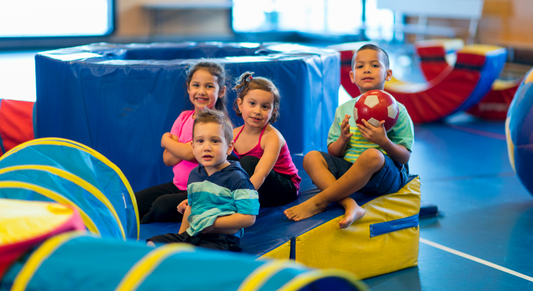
{"x": 183, "y": 205}
{"x": 345, "y": 128}
{"x": 373, "y": 134}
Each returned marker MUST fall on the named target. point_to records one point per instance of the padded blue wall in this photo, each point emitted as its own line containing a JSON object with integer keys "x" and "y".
{"x": 120, "y": 99}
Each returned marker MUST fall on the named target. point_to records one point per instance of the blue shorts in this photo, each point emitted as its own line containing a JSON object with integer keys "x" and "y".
{"x": 391, "y": 178}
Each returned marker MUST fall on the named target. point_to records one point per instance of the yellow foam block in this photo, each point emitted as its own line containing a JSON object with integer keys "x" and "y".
{"x": 354, "y": 250}
{"x": 282, "y": 252}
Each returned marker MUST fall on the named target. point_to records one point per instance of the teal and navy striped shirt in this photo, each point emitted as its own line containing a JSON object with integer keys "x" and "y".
{"x": 226, "y": 192}
{"x": 402, "y": 133}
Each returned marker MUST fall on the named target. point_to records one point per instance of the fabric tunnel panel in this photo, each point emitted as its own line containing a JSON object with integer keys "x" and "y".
{"x": 456, "y": 89}
{"x": 386, "y": 238}
{"x": 87, "y": 263}
{"x": 25, "y": 224}
{"x": 86, "y": 177}
{"x": 120, "y": 99}
{"x": 89, "y": 200}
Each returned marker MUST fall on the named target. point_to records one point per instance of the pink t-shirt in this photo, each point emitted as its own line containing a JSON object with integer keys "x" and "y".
{"x": 283, "y": 165}
{"x": 183, "y": 129}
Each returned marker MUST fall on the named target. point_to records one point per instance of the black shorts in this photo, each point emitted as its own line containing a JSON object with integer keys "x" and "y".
{"x": 391, "y": 178}
{"x": 215, "y": 241}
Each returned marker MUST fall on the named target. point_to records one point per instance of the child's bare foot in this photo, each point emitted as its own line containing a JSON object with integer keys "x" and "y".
{"x": 351, "y": 215}
{"x": 150, "y": 244}
{"x": 303, "y": 210}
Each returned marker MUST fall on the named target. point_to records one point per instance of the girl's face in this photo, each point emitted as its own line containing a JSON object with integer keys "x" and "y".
{"x": 204, "y": 90}
{"x": 256, "y": 107}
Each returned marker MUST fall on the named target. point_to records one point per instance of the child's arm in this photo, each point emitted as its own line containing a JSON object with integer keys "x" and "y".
{"x": 337, "y": 147}
{"x": 378, "y": 135}
{"x": 175, "y": 151}
{"x": 273, "y": 144}
{"x": 185, "y": 220}
{"x": 230, "y": 224}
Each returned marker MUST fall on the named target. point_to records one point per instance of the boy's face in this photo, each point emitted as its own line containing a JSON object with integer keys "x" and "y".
{"x": 210, "y": 147}
{"x": 369, "y": 71}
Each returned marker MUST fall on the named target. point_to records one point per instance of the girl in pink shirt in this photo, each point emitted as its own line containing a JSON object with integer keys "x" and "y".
{"x": 205, "y": 86}
{"x": 262, "y": 150}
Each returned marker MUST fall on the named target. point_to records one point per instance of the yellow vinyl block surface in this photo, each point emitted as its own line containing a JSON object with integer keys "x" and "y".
{"x": 353, "y": 249}
{"x": 282, "y": 252}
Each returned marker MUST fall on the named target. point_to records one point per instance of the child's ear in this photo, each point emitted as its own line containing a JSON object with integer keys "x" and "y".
{"x": 389, "y": 75}
{"x": 239, "y": 103}
{"x": 352, "y": 77}
{"x": 230, "y": 148}
{"x": 222, "y": 92}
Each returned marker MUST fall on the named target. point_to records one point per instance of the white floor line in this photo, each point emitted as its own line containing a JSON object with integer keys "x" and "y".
{"x": 486, "y": 263}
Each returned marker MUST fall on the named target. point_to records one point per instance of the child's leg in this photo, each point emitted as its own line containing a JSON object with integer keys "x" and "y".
{"x": 146, "y": 197}
{"x": 368, "y": 163}
{"x": 277, "y": 189}
{"x": 318, "y": 170}
{"x": 185, "y": 220}
{"x": 352, "y": 212}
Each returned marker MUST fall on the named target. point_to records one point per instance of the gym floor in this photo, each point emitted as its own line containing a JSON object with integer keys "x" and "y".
{"x": 482, "y": 236}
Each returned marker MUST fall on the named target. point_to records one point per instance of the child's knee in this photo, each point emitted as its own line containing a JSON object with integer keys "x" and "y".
{"x": 248, "y": 163}
{"x": 313, "y": 159}
{"x": 372, "y": 157}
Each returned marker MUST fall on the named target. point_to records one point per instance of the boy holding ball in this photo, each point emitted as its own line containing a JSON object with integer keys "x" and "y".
{"x": 361, "y": 157}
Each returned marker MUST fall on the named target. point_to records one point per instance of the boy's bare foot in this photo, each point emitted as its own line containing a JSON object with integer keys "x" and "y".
{"x": 351, "y": 215}
{"x": 304, "y": 210}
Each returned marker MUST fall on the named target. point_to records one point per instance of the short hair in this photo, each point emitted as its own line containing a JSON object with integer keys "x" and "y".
{"x": 215, "y": 69}
{"x": 373, "y": 47}
{"x": 246, "y": 82}
{"x": 206, "y": 115}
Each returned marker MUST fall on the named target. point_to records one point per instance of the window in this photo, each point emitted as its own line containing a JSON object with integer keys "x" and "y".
{"x": 311, "y": 16}
{"x": 55, "y": 18}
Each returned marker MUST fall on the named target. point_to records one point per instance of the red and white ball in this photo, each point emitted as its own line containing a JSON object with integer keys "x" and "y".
{"x": 375, "y": 106}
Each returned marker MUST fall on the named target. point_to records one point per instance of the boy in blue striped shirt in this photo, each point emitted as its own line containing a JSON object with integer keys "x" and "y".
{"x": 221, "y": 199}
{"x": 361, "y": 157}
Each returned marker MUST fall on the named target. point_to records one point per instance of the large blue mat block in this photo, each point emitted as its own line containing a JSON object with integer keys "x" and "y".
{"x": 120, "y": 99}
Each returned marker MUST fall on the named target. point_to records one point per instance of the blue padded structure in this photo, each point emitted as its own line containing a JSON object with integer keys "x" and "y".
{"x": 384, "y": 240}
{"x": 120, "y": 99}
